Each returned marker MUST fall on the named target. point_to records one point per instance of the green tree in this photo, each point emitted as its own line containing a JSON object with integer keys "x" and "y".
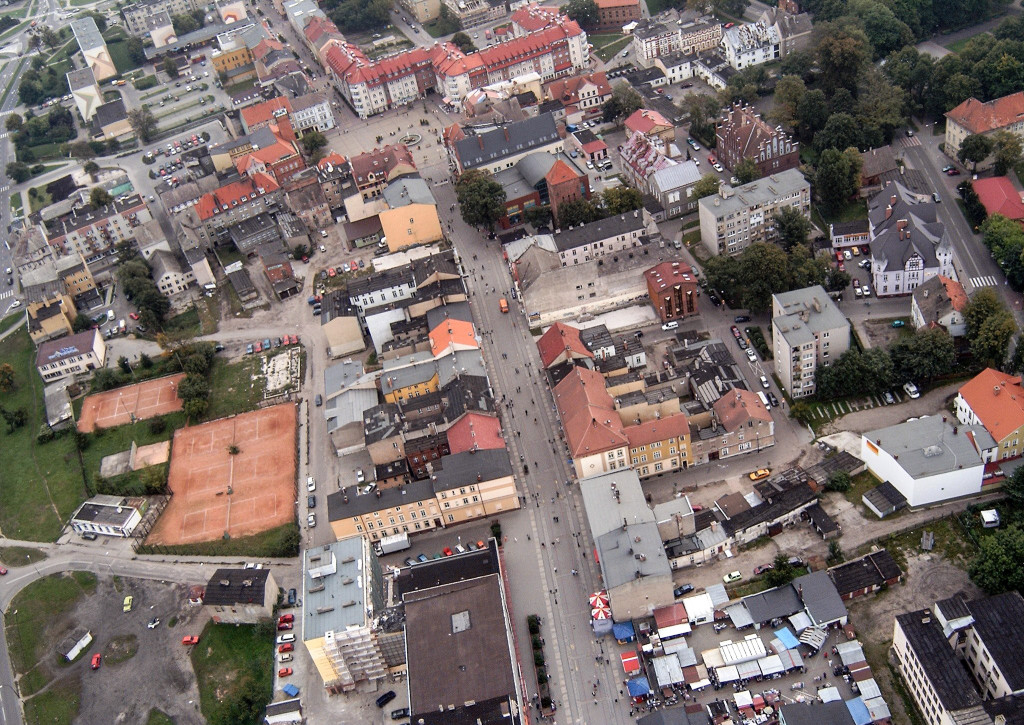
{"x": 463, "y": 42}
{"x": 99, "y": 197}
{"x": 792, "y": 227}
{"x": 481, "y": 198}
{"x": 841, "y": 55}
{"x": 143, "y": 122}
{"x": 781, "y": 572}
{"x": 835, "y": 553}
{"x": 6, "y": 378}
{"x": 974, "y": 210}
{"x": 1006, "y": 149}
{"x": 313, "y": 141}
{"x": 922, "y": 357}
{"x": 838, "y": 481}
{"x": 146, "y": 362}
{"x": 707, "y": 185}
{"x": 764, "y": 270}
{"x": 81, "y": 323}
{"x": 446, "y": 22}
{"x": 975, "y": 148}
{"x": 1013, "y": 486}
{"x": 984, "y": 304}
{"x": 18, "y": 172}
{"x": 170, "y": 67}
{"x": 841, "y": 131}
{"x": 14, "y": 122}
{"x": 746, "y": 171}
{"x": 789, "y": 92}
{"x": 703, "y": 111}
{"x": 576, "y": 212}
{"x": 538, "y": 216}
{"x": 584, "y": 12}
{"x": 1005, "y": 239}
{"x": 124, "y": 364}
{"x": 999, "y": 564}
{"x": 992, "y": 342}
{"x": 195, "y": 407}
{"x": 50, "y": 37}
{"x": 806, "y": 270}
{"x": 812, "y": 114}
{"x": 621, "y": 199}
{"x": 623, "y": 103}
{"x": 81, "y": 150}
{"x": 135, "y": 50}
{"x": 90, "y": 167}
{"x": 722, "y": 272}
{"x": 833, "y": 181}
{"x": 184, "y": 23}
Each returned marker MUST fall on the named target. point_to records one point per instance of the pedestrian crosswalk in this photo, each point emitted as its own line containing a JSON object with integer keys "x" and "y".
{"x": 907, "y": 141}
{"x": 987, "y": 281}
{"x": 4, "y": 188}
{"x": 5, "y": 295}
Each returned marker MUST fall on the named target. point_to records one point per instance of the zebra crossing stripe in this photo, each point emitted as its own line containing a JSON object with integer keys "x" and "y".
{"x": 987, "y": 281}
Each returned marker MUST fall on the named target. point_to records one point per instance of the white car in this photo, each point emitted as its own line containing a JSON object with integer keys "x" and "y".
{"x": 847, "y": 254}
{"x": 911, "y": 390}
{"x": 16, "y": 303}
{"x": 323, "y": 248}
{"x": 359, "y": 475}
{"x": 590, "y": 164}
{"x": 866, "y": 291}
{"x": 286, "y": 638}
{"x": 323, "y": 233}
{"x": 764, "y": 380}
{"x": 751, "y": 355}
{"x": 311, "y": 521}
{"x": 310, "y": 484}
{"x": 717, "y": 167}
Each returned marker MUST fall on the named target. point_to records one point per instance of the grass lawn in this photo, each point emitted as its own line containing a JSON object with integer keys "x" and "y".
{"x": 158, "y": 718}
{"x": 16, "y": 204}
{"x": 46, "y": 152}
{"x": 38, "y": 200}
{"x": 851, "y": 212}
{"x": 606, "y": 46}
{"x": 12, "y": 319}
{"x": 115, "y": 440}
{"x": 234, "y": 665}
{"x": 235, "y": 387}
{"x": 40, "y": 483}
{"x": 282, "y": 541}
{"x": 119, "y": 54}
{"x": 957, "y": 46}
{"x": 38, "y": 604}
{"x": 239, "y": 87}
{"x": 20, "y": 555}
{"x": 950, "y": 542}
{"x": 860, "y": 485}
{"x": 187, "y": 323}
{"x": 58, "y": 705}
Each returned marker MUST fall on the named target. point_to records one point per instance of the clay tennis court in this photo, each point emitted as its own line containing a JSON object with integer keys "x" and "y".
{"x": 261, "y": 477}
{"x": 143, "y": 400}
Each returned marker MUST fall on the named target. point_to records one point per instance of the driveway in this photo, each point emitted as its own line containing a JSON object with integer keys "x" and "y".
{"x": 931, "y": 403}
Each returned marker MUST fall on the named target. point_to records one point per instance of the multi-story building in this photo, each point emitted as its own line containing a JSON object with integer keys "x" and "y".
{"x": 643, "y": 157}
{"x": 75, "y": 274}
{"x": 613, "y": 14}
{"x": 743, "y": 134}
{"x": 232, "y": 58}
{"x": 673, "y": 186}
{"x": 135, "y": 15}
{"x": 584, "y": 93}
{"x": 240, "y": 596}
{"x": 660, "y": 445}
{"x": 940, "y": 301}
{"x": 319, "y": 34}
{"x": 312, "y": 112}
{"x": 374, "y": 170}
{"x": 70, "y": 356}
{"x": 423, "y": 10}
{"x": 653, "y": 39}
{"x": 471, "y": 13}
{"x": 739, "y": 423}
{"x": 86, "y": 92}
{"x": 699, "y": 35}
{"x": 170, "y": 276}
{"x": 342, "y": 593}
{"x": 603, "y": 238}
{"x": 808, "y": 331}
{"x": 280, "y": 159}
{"x": 994, "y": 400}
{"x": 503, "y": 147}
{"x": 93, "y": 233}
{"x": 960, "y": 660}
{"x": 372, "y": 87}
{"x": 972, "y": 117}
{"x": 335, "y": 176}
{"x": 93, "y": 48}
{"x": 209, "y": 219}
{"x": 51, "y": 318}
{"x": 308, "y": 202}
{"x": 735, "y": 218}
{"x": 909, "y": 244}
{"x": 751, "y": 44}
{"x": 673, "y": 290}
{"x": 410, "y": 225}
{"x": 262, "y": 115}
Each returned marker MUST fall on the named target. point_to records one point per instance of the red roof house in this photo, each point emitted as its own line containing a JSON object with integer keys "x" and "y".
{"x": 1000, "y": 196}
{"x": 475, "y": 432}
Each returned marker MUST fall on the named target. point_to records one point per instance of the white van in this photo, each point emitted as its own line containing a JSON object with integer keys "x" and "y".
{"x": 764, "y": 399}
{"x": 670, "y": 325}
{"x": 110, "y": 315}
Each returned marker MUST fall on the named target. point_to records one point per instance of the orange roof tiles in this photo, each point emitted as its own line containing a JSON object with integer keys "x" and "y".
{"x": 559, "y": 173}
{"x": 998, "y": 401}
{"x": 559, "y": 342}
{"x": 475, "y": 432}
{"x": 264, "y": 112}
{"x": 1000, "y": 196}
{"x": 588, "y": 414}
{"x": 666, "y": 274}
{"x": 738, "y": 406}
{"x": 645, "y": 120}
{"x": 333, "y": 159}
{"x": 955, "y": 292}
{"x": 978, "y": 117}
{"x": 534, "y": 17}
{"x": 567, "y": 89}
{"x": 452, "y": 335}
{"x": 672, "y": 426}
{"x": 231, "y": 195}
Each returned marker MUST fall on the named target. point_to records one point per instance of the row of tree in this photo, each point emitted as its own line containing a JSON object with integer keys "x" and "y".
{"x": 1005, "y": 240}
{"x": 133, "y": 273}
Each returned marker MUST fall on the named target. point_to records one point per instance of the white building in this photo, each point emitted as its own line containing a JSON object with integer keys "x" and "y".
{"x": 909, "y": 245}
{"x": 312, "y": 112}
{"x": 168, "y": 273}
{"x": 735, "y": 218}
{"x": 808, "y": 331}
{"x": 93, "y": 48}
{"x": 106, "y": 516}
{"x": 73, "y": 355}
{"x": 927, "y": 460}
{"x": 86, "y": 92}
{"x": 751, "y": 44}
{"x": 941, "y": 301}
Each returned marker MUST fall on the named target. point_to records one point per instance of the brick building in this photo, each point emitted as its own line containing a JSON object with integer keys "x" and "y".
{"x": 743, "y": 134}
{"x": 672, "y": 288}
{"x": 613, "y": 14}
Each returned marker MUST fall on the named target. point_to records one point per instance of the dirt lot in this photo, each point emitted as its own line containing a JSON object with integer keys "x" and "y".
{"x": 930, "y": 578}
{"x": 158, "y": 675}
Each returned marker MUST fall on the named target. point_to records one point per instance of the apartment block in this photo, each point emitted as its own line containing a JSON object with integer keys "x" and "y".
{"x": 743, "y": 134}
{"x": 93, "y": 233}
{"x": 808, "y": 331}
{"x": 994, "y": 400}
{"x": 972, "y": 117}
{"x": 735, "y": 218}
{"x": 136, "y": 15}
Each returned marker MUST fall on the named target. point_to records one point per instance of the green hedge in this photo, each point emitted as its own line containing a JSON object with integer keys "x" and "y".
{"x": 145, "y": 82}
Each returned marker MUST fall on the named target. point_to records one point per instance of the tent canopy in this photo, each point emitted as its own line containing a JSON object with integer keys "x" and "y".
{"x": 791, "y": 659}
{"x": 667, "y": 670}
{"x": 787, "y": 638}
{"x": 727, "y": 674}
{"x": 630, "y": 662}
{"x": 800, "y": 621}
{"x": 743, "y": 699}
{"x": 638, "y": 687}
{"x": 623, "y": 631}
{"x": 829, "y": 694}
{"x": 858, "y": 711}
{"x": 748, "y": 670}
{"x": 770, "y": 665}
{"x": 744, "y": 650}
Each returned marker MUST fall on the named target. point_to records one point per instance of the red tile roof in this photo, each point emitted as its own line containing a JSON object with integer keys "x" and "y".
{"x": 595, "y": 147}
{"x": 617, "y": 3}
{"x": 978, "y": 117}
{"x": 380, "y": 161}
{"x": 588, "y": 414}
{"x": 666, "y": 274}
{"x": 560, "y": 173}
{"x": 333, "y": 159}
{"x": 231, "y": 195}
{"x": 998, "y": 401}
{"x": 534, "y": 17}
{"x": 955, "y": 291}
{"x": 673, "y": 426}
{"x": 319, "y": 30}
{"x": 645, "y": 120}
{"x": 558, "y": 342}
{"x": 264, "y": 112}
{"x": 475, "y": 432}
{"x": 567, "y": 90}
{"x": 738, "y": 406}
{"x": 1000, "y": 196}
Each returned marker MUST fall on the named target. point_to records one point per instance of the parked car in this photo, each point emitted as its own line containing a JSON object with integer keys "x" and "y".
{"x": 286, "y": 657}
{"x": 422, "y": 558}
{"x": 409, "y": 561}
{"x": 289, "y": 647}
{"x": 190, "y": 639}
{"x": 286, "y": 618}
{"x": 360, "y": 478}
{"x": 311, "y": 521}
{"x": 284, "y": 626}
{"x": 283, "y": 638}
{"x": 386, "y": 698}
{"x": 96, "y": 660}
{"x": 670, "y": 325}
{"x": 759, "y": 570}
{"x": 681, "y": 590}
{"x": 898, "y": 323}
{"x": 447, "y": 551}
{"x": 751, "y": 355}
{"x": 400, "y": 713}
{"x": 889, "y": 399}
{"x": 773, "y": 400}
{"x": 735, "y": 331}
{"x": 731, "y": 577}
{"x": 291, "y": 597}
{"x": 760, "y": 473}
{"x": 911, "y": 390}
{"x": 311, "y": 501}
{"x": 741, "y": 318}
{"x": 127, "y": 604}
{"x": 153, "y": 623}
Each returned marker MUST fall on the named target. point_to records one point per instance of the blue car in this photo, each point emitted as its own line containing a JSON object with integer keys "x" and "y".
{"x": 422, "y": 558}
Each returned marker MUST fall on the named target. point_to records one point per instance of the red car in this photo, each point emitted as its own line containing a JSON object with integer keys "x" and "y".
{"x": 96, "y": 659}
{"x": 447, "y": 552}
{"x": 190, "y": 639}
{"x": 284, "y": 626}
{"x": 842, "y": 267}
{"x": 2, "y": 571}
{"x": 839, "y": 256}
{"x": 284, "y": 672}
{"x": 353, "y": 265}
{"x": 331, "y": 272}
{"x": 258, "y": 347}
{"x": 286, "y": 647}
{"x": 286, "y": 618}
{"x": 133, "y": 315}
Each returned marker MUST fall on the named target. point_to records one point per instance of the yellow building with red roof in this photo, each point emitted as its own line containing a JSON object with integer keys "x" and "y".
{"x": 994, "y": 400}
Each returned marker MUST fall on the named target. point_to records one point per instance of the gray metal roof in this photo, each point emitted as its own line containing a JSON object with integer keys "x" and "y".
{"x": 675, "y": 177}
{"x": 87, "y": 33}
{"x": 81, "y": 78}
{"x": 462, "y": 469}
{"x": 612, "y": 226}
{"x": 806, "y": 312}
{"x": 620, "y": 548}
{"x": 513, "y": 138}
{"x": 820, "y": 598}
{"x": 612, "y": 499}
{"x": 408, "y": 190}
{"x": 332, "y": 577}
{"x": 926, "y": 446}
{"x": 767, "y": 605}
{"x": 999, "y": 622}
{"x": 763, "y": 191}
{"x": 938, "y": 661}
{"x": 341, "y": 375}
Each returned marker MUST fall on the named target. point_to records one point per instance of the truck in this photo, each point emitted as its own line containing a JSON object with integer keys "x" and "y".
{"x": 391, "y": 544}
{"x": 503, "y": 304}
